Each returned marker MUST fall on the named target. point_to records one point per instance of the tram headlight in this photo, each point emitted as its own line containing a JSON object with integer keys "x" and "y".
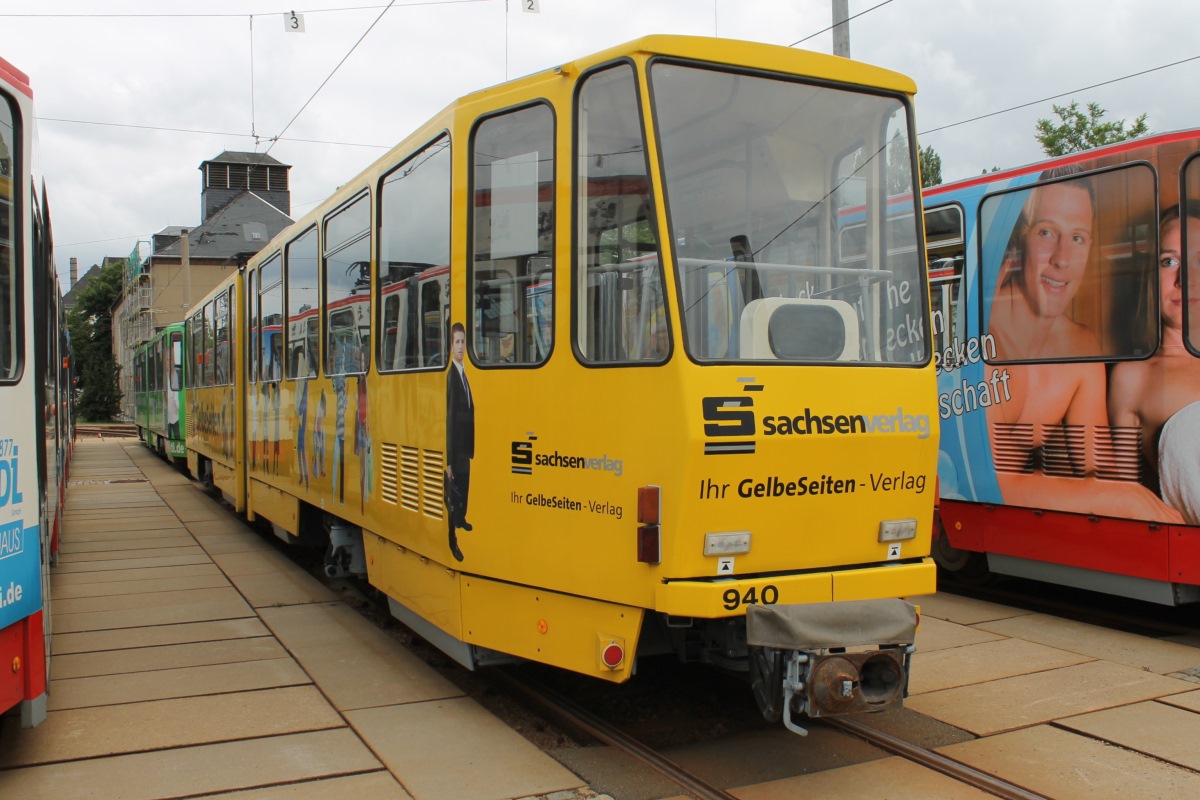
{"x": 730, "y": 543}
{"x": 897, "y": 530}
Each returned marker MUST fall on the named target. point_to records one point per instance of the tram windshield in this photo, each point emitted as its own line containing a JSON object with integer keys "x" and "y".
{"x": 792, "y": 216}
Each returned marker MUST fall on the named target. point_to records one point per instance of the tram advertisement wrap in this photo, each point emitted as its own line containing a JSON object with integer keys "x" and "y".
{"x": 1044, "y": 376}
{"x": 20, "y": 591}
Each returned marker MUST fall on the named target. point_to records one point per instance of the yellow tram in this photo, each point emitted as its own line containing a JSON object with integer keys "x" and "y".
{"x": 625, "y": 357}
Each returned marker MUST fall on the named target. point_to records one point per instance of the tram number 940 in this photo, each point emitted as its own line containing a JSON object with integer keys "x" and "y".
{"x": 768, "y": 596}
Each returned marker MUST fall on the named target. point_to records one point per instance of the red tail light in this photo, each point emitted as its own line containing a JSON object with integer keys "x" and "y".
{"x": 649, "y": 544}
{"x": 649, "y": 505}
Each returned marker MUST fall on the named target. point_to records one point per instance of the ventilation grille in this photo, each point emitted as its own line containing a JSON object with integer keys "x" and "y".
{"x": 388, "y": 473}
{"x": 410, "y": 478}
{"x": 413, "y": 479}
{"x": 433, "y": 473}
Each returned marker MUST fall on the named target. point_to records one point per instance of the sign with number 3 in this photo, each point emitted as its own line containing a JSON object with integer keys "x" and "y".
{"x": 293, "y": 22}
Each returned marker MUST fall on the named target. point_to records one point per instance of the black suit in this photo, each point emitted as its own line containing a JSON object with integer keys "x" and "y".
{"x": 460, "y": 443}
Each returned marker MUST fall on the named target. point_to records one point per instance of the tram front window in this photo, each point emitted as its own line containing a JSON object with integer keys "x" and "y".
{"x": 792, "y": 217}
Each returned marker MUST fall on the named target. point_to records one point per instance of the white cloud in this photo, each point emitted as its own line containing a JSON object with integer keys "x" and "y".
{"x": 968, "y": 57}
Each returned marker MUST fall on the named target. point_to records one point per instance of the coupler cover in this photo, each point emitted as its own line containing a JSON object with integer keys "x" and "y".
{"x": 809, "y": 644}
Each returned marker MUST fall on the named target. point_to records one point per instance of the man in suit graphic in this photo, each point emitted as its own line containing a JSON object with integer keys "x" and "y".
{"x": 460, "y": 438}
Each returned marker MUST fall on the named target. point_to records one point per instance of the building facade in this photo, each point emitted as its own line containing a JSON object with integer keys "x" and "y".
{"x": 244, "y": 201}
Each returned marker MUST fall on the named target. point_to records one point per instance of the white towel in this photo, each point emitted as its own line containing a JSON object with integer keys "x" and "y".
{"x": 1179, "y": 462}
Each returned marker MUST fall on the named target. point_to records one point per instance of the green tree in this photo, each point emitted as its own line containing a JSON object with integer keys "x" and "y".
{"x": 1078, "y": 131}
{"x": 931, "y": 167}
{"x": 90, "y": 323}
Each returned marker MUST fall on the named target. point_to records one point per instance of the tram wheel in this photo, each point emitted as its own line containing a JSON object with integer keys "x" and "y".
{"x": 966, "y": 566}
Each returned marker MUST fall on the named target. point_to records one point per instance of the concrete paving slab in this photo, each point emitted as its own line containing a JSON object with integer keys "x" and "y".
{"x": 171, "y": 656}
{"x": 70, "y": 591}
{"x": 233, "y": 543}
{"x": 138, "y": 687}
{"x": 268, "y": 578}
{"x": 188, "y": 549}
{"x": 1124, "y": 648}
{"x": 83, "y": 512}
{"x": 372, "y": 786}
{"x": 140, "y": 600}
{"x": 192, "y": 505}
{"x": 121, "y": 638}
{"x": 1009, "y": 703}
{"x": 123, "y": 576}
{"x": 189, "y": 771}
{"x": 1160, "y": 731}
{"x": 164, "y": 520}
{"x": 963, "y": 610}
{"x": 987, "y": 661}
{"x": 162, "y": 724}
{"x": 148, "y": 503}
{"x": 180, "y": 539}
{"x": 354, "y": 663}
{"x": 939, "y": 634}
{"x": 228, "y": 606}
{"x": 883, "y": 779}
{"x": 1066, "y": 766}
{"x": 105, "y": 537}
{"x": 107, "y": 494}
{"x": 230, "y": 525}
{"x": 1188, "y": 700}
{"x": 135, "y": 563}
{"x": 453, "y": 749}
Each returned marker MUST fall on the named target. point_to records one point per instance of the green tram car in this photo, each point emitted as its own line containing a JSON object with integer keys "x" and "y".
{"x": 160, "y": 394}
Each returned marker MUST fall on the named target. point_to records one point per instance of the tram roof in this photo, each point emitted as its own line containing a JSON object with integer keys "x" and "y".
{"x": 733, "y": 52}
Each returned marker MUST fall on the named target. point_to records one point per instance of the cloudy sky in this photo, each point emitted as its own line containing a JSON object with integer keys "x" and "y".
{"x": 132, "y": 95}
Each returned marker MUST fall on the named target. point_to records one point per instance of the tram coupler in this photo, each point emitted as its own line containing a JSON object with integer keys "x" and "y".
{"x": 805, "y": 653}
{"x": 345, "y": 555}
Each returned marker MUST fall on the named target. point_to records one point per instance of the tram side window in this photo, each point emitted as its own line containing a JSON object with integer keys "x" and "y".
{"x": 946, "y": 254}
{"x": 251, "y": 344}
{"x": 511, "y": 305}
{"x": 222, "y": 351}
{"x": 620, "y": 314}
{"x": 176, "y": 362}
{"x": 347, "y": 272}
{"x": 414, "y": 256}
{"x": 10, "y": 318}
{"x": 207, "y": 344}
{"x": 155, "y": 365}
{"x": 1190, "y": 244}
{"x": 270, "y": 319}
{"x": 302, "y": 284}
{"x": 1066, "y": 270}
{"x": 193, "y": 351}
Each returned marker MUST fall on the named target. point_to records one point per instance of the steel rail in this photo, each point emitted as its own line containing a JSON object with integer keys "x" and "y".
{"x": 935, "y": 761}
{"x": 583, "y": 724}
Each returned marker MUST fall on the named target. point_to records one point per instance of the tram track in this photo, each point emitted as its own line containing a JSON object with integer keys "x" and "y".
{"x": 586, "y": 727}
{"x": 934, "y": 761}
